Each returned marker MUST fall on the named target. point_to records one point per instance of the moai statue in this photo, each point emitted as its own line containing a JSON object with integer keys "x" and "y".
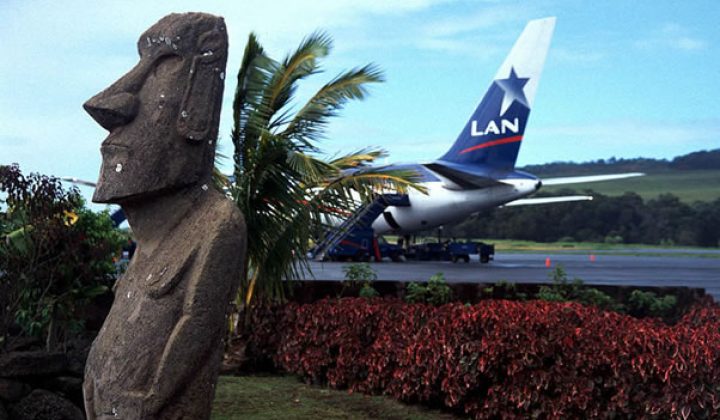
{"x": 160, "y": 349}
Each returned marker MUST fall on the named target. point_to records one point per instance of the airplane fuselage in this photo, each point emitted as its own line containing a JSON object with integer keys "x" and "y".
{"x": 445, "y": 202}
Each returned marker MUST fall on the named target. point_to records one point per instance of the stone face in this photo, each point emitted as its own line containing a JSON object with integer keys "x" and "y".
{"x": 13, "y": 390}
{"x": 31, "y": 363}
{"x": 45, "y": 405}
{"x": 159, "y": 350}
{"x": 163, "y": 112}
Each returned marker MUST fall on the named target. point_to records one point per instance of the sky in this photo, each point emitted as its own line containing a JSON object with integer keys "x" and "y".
{"x": 622, "y": 79}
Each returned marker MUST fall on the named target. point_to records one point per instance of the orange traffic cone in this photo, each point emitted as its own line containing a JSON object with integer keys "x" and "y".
{"x": 547, "y": 262}
{"x": 592, "y": 257}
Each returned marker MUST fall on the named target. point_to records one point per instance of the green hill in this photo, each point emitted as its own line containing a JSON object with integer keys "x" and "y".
{"x": 688, "y": 185}
{"x": 692, "y": 177}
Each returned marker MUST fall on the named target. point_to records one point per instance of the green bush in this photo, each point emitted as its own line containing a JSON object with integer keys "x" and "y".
{"x": 367, "y": 291}
{"x": 362, "y": 272}
{"x": 356, "y": 274}
{"x": 56, "y": 255}
{"x": 549, "y": 294}
{"x": 641, "y": 304}
{"x": 435, "y": 292}
{"x": 563, "y": 290}
{"x": 508, "y": 290}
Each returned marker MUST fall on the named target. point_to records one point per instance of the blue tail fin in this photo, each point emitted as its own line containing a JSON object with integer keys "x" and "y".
{"x": 493, "y": 134}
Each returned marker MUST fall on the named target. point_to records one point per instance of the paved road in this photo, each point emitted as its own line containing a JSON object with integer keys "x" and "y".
{"x": 672, "y": 269}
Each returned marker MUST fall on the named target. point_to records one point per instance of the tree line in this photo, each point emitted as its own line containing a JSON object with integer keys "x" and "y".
{"x": 700, "y": 160}
{"x": 664, "y": 220}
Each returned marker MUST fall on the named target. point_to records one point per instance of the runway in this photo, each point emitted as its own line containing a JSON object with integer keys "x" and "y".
{"x": 689, "y": 268}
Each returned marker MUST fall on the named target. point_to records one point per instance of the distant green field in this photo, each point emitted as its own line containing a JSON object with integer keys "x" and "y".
{"x": 689, "y": 186}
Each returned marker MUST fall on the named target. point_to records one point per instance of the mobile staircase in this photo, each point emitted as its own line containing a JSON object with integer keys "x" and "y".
{"x": 361, "y": 219}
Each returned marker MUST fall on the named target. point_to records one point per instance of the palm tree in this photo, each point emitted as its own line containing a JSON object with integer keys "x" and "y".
{"x": 282, "y": 186}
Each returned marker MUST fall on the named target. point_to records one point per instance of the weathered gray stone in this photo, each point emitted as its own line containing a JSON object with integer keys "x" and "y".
{"x": 159, "y": 350}
{"x": 31, "y": 363}
{"x": 45, "y": 405}
{"x": 13, "y": 390}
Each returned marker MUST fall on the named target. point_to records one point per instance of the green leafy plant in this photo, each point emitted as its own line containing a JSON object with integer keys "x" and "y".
{"x": 510, "y": 290}
{"x": 367, "y": 291}
{"x": 361, "y": 272}
{"x": 563, "y": 290}
{"x": 641, "y": 304}
{"x": 435, "y": 292}
{"x": 56, "y": 255}
{"x": 357, "y": 274}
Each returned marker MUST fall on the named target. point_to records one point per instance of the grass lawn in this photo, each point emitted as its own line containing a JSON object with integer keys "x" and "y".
{"x": 285, "y": 397}
{"x": 512, "y": 245}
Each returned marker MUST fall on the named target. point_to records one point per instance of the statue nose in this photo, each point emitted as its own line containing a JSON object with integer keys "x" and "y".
{"x": 112, "y": 110}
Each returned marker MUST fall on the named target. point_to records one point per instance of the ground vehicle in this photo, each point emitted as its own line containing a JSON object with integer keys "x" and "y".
{"x": 450, "y": 251}
{"x": 363, "y": 244}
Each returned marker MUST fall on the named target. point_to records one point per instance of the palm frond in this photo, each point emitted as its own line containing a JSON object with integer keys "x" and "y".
{"x": 295, "y": 67}
{"x": 362, "y": 157}
{"x": 249, "y": 114}
{"x": 310, "y": 121}
{"x": 220, "y": 180}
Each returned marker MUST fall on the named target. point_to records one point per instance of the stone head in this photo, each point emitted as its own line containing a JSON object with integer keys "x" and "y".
{"x": 163, "y": 114}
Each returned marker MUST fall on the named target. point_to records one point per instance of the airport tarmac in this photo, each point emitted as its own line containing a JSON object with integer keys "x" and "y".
{"x": 643, "y": 268}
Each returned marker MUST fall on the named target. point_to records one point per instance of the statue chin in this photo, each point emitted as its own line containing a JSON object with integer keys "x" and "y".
{"x": 112, "y": 193}
{"x": 118, "y": 188}
{"x": 145, "y": 172}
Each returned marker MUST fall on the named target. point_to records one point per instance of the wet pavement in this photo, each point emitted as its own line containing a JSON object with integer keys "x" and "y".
{"x": 666, "y": 268}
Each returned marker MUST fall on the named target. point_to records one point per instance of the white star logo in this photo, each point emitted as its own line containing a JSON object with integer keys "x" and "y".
{"x": 513, "y": 88}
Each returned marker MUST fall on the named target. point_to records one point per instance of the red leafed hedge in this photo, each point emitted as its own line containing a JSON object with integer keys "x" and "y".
{"x": 503, "y": 358}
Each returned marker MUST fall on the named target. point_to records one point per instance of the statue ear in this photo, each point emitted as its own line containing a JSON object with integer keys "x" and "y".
{"x": 200, "y": 105}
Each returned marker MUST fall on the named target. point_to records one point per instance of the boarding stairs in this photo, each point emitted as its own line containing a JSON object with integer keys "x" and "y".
{"x": 361, "y": 219}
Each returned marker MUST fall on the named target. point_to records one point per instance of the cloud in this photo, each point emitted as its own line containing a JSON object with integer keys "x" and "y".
{"x": 586, "y": 141}
{"x": 640, "y": 132}
{"x": 459, "y": 33}
{"x": 620, "y": 138}
{"x": 673, "y": 36}
{"x": 487, "y": 17}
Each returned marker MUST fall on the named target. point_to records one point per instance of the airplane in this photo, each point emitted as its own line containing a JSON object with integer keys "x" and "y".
{"x": 478, "y": 171}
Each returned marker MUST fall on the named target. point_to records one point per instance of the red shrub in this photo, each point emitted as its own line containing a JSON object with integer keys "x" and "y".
{"x": 509, "y": 359}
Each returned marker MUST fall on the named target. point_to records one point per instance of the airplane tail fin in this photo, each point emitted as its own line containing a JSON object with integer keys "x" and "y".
{"x": 493, "y": 134}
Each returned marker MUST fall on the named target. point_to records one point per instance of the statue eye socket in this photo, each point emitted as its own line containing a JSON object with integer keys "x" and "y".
{"x": 167, "y": 64}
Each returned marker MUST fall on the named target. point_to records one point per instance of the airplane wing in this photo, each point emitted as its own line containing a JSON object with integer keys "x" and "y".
{"x": 77, "y": 181}
{"x": 547, "y": 200}
{"x": 591, "y": 178}
{"x": 463, "y": 178}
